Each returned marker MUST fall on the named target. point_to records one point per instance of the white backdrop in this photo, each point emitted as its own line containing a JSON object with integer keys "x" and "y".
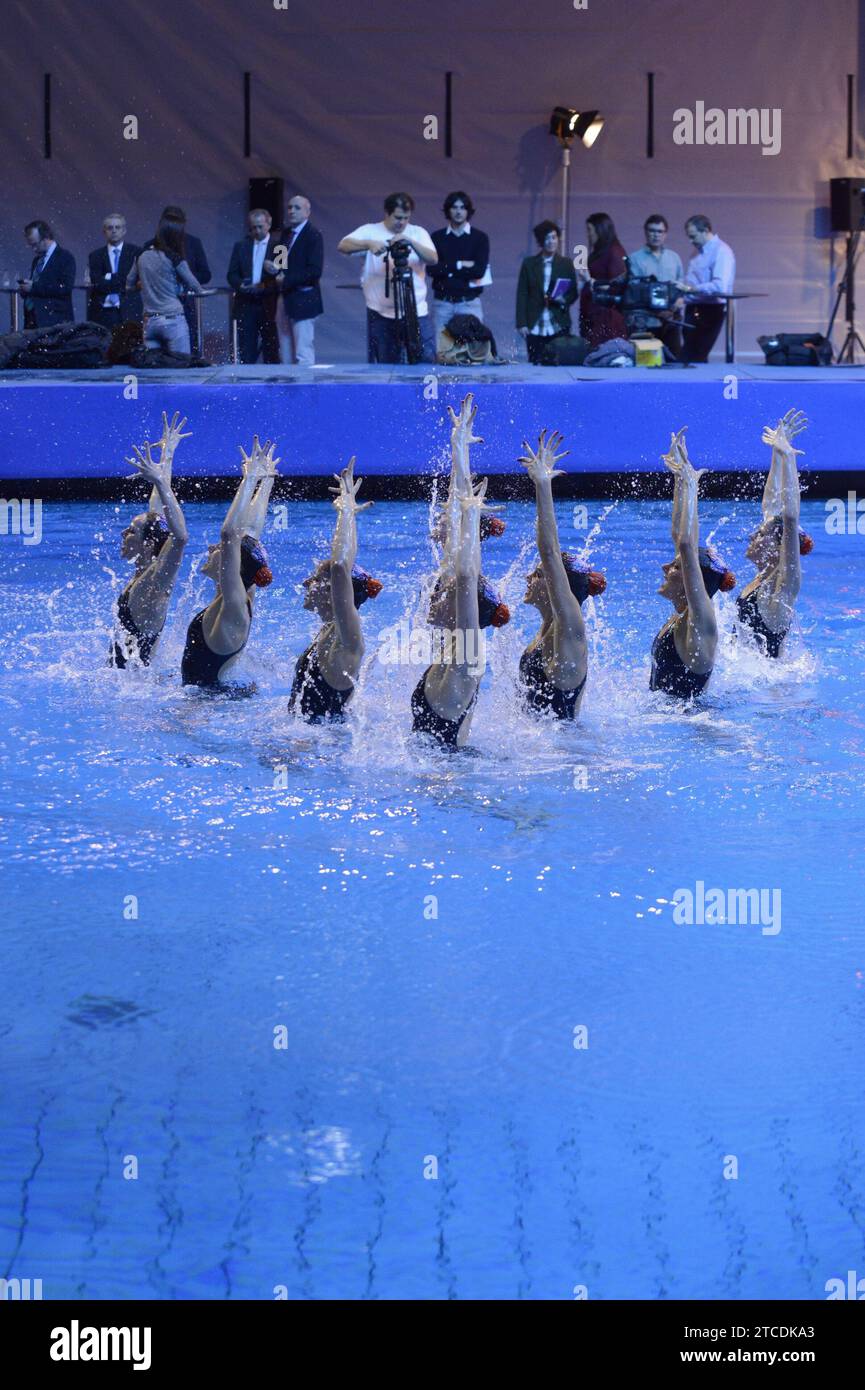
{"x": 339, "y": 96}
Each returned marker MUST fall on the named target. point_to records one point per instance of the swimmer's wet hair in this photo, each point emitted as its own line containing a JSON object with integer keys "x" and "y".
{"x": 492, "y": 612}
{"x": 364, "y": 586}
{"x": 491, "y": 526}
{"x": 715, "y": 573}
{"x": 254, "y": 568}
{"x": 155, "y": 531}
{"x": 585, "y": 583}
{"x": 776, "y": 529}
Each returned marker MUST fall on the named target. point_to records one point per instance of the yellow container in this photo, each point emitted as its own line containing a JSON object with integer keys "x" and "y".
{"x": 648, "y": 352}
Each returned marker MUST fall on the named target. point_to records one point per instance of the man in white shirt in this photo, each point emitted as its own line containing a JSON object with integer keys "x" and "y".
{"x": 109, "y": 302}
{"x": 711, "y": 272}
{"x": 373, "y": 240}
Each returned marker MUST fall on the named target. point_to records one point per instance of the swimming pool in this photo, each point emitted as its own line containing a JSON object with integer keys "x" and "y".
{"x": 428, "y": 931}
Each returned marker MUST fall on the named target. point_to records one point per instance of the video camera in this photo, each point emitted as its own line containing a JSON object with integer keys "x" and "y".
{"x": 642, "y": 294}
{"x": 399, "y": 252}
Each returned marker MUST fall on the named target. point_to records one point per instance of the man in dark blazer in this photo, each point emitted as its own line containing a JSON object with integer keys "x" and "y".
{"x": 255, "y": 279}
{"x": 301, "y": 291}
{"x": 541, "y": 313}
{"x": 109, "y": 301}
{"x": 48, "y": 289}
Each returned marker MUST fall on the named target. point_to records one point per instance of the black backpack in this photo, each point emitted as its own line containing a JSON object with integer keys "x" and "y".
{"x": 564, "y": 350}
{"x": 70, "y": 345}
{"x": 796, "y": 350}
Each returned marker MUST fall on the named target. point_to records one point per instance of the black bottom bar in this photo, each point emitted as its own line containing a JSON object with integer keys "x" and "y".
{"x": 416, "y": 487}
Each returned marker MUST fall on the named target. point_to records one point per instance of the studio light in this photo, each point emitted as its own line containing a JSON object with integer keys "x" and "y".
{"x": 568, "y": 125}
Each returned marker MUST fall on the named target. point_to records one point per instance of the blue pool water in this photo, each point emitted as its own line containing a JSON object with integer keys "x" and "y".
{"x": 285, "y": 877}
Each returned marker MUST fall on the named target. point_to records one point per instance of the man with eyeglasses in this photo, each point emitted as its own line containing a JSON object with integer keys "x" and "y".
{"x": 654, "y": 258}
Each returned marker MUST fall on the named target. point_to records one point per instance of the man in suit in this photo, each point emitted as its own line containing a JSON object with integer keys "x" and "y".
{"x": 541, "y": 313}
{"x": 255, "y": 279}
{"x": 301, "y": 292}
{"x": 48, "y": 290}
{"x": 109, "y": 301}
{"x": 197, "y": 262}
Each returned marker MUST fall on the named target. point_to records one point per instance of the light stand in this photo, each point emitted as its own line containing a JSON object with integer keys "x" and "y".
{"x": 567, "y": 125}
{"x": 846, "y": 289}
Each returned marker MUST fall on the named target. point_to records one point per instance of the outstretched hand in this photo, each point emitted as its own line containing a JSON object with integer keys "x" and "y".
{"x": 464, "y": 422}
{"x": 171, "y": 435}
{"x": 540, "y": 464}
{"x": 260, "y": 462}
{"x": 148, "y": 467}
{"x": 781, "y": 436}
{"x": 476, "y": 499}
{"x": 347, "y": 488}
{"x": 677, "y": 459}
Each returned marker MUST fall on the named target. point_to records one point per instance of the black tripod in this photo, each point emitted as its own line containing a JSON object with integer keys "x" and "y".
{"x": 846, "y": 289}
{"x": 398, "y": 276}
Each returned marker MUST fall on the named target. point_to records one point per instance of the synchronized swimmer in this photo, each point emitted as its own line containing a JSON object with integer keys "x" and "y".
{"x": 463, "y": 603}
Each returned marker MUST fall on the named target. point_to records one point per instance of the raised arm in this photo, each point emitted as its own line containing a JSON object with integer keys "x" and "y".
{"x": 451, "y": 684}
{"x": 778, "y": 602}
{"x": 702, "y": 629}
{"x": 468, "y": 568}
{"x": 158, "y": 578}
{"x": 541, "y": 468}
{"x": 460, "y": 483}
{"x": 256, "y": 516}
{"x": 343, "y": 554}
{"x": 232, "y": 590}
{"x": 172, "y": 433}
{"x": 780, "y": 437}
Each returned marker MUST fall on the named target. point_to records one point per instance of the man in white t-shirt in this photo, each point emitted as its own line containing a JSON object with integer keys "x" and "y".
{"x": 372, "y": 240}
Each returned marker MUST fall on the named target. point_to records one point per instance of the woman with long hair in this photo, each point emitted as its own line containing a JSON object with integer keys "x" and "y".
{"x": 154, "y": 541}
{"x": 156, "y": 272}
{"x": 765, "y": 606}
{"x": 553, "y": 667}
{"x": 238, "y": 566}
{"x": 683, "y": 652}
{"x": 606, "y": 261}
{"x": 325, "y": 675}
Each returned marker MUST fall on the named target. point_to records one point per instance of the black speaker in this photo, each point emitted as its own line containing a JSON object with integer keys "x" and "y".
{"x": 848, "y": 204}
{"x": 270, "y": 195}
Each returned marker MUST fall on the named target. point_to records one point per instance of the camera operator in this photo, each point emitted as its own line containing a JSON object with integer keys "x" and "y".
{"x": 655, "y": 259}
{"x": 375, "y": 240}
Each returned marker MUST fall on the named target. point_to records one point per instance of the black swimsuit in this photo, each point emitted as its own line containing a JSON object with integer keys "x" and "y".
{"x": 542, "y": 696}
{"x": 426, "y": 721}
{"x": 201, "y": 665}
{"x": 748, "y": 612}
{"x": 313, "y": 697}
{"x": 141, "y": 642}
{"x": 669, "y": 672}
